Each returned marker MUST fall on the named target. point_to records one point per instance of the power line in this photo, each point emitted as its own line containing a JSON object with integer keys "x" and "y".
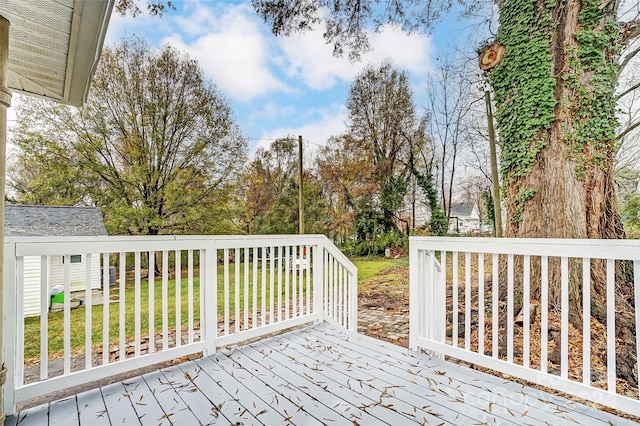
{"x": 275, "y": 139}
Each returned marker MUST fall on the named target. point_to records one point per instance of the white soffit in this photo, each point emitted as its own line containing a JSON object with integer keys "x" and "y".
{"x": 54, "y": 46}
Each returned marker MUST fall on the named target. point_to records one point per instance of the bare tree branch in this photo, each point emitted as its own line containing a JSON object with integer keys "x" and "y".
{"x": 628, "y": 130}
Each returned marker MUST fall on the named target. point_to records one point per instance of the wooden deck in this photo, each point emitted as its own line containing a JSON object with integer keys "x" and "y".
{"x": 317, "y": 375}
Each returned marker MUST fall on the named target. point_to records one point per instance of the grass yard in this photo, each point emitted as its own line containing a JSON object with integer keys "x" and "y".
{"x": 383, "y": 284}
{"x": 369, "y": 268}
{"x": 56, "y": 326}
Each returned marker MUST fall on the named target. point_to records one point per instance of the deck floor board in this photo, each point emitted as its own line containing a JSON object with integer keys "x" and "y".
{"x": 91, "y": 409}
{"x": 147, "y": 407}
{"x": 317, "y": 375}
{"x": 498, "y": 391}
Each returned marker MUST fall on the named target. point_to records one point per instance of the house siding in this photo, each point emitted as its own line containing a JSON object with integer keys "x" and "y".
{"x": 77, "y": 273}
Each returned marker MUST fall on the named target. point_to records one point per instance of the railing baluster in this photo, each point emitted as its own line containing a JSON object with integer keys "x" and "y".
{"x": 636, "y": 292}
{"x": 271, "y": 284}
{"x": 279, "y": 283}
{"x": 190, "y": 295}
{"x": 137, "y": 304}
{"x": 340, "y": 293}
{"x": 345, "y": 300}
{"x": 165, "y": 300}
{"x": 426, "y": 260}
{"x": 454, "y": 301}
{"x": 526, "y": 312}
{"x": 564, "y": 317}
{"x": 510, "y": 319}
{"x": 19, "y": 365}
{"x": 441, "y": 298}
{"x": 88, "y": 304}
{"x": 254, "y": 293}
{"x": 586, "y": 320}
{"x": 308, "y": 274}
{"x": 495, "y": 305}
{"x": 325, "y": 286}
{"x": 225, "y": 269}
{"x": 611, "y": 326}
{"x": 294, "y": 283}
{"x": 481, "y": 303}
{"x": 300, "y": 273}
{"x": 332, "y": 294}
{"x": 236, "y": 295}
{"x": 151, "y": 284}
{"x": 544, "y": 312}
{"x": 246, "y": 288}
{"x": 122, "y": 305}
{"x": 263, "y": 288}
{"x": 287, "y": 267}
{"x": 45, "y": 300}
{"x": 467, "y": 301}
{"x": 67, "y": 314}
{"x": 106, "y": 295}
{"x": 209, "y": 315}
{"x": 178, "y": 288}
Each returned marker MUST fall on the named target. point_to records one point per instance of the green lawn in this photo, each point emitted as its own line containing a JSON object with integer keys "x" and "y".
{"x": 55, "y": 319}
{"x": 369, "y": 268}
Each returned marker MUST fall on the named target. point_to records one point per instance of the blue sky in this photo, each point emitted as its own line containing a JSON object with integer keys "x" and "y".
{"x": 278, "y": 86}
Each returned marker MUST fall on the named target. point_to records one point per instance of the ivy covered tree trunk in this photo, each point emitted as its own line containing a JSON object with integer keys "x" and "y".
{"x": 555, "y": 96}
{"x": 554, "y": 91}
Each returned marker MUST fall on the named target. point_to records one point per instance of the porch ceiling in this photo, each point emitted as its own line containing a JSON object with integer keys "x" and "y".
{"x": 54, "y": 46}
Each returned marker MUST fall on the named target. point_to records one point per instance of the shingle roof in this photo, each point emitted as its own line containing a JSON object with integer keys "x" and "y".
{"x": 462, "y": 209}
{"x": 52, "y": 221}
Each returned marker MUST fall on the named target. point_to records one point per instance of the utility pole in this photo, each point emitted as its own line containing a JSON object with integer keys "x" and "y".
{"x": 497, "y": 210}
{"x": 300, "y": 198}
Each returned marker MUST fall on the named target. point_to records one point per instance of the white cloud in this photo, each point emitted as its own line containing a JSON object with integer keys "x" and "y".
{"x": 409, "y": 52}
{"x": 234, "y": 53}
{"x": 237, "y": 51}
{"x": 310, "y": 59}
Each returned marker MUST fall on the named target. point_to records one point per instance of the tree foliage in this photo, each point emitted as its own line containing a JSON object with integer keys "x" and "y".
{"x": 271, "y": 186}
{"x": 366, "y": 171}
{"x": 155, "y": 146}
{"x": 135, "y": 7}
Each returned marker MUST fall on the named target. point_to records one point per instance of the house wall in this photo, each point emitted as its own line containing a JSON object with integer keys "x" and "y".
{"x": 77, "y": 272}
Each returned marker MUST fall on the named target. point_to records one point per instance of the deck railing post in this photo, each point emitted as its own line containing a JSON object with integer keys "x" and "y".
{"x": 9, "y": 338}
{"x": 353, "y": 309}
{"x": 317, "y": 254}
{"x": 210, "y": 289}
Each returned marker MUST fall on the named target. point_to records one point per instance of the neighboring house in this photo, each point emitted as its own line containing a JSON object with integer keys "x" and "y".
{"x": 464, "y": 218}
{"x": 54, "y": 221}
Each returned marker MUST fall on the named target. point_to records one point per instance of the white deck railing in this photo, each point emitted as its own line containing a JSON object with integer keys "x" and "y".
{"x": 206, "y": 292}
{"x": 457, "y": 283}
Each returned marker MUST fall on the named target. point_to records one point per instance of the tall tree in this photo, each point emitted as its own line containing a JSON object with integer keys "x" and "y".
{"x": 346, "y": 175}
{"x": 155, "y": 146}
{"x": 448, "y": 105}
{"x": 381, "y": 115}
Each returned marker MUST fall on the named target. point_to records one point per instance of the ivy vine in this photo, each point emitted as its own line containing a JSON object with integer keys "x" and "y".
{"x": 523, "y": 85}
{"x": 593, "y": 79}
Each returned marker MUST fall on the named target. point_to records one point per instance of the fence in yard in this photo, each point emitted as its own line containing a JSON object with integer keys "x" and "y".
{"x": 158, "y": 298}
{"x": 559, "y": 313}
